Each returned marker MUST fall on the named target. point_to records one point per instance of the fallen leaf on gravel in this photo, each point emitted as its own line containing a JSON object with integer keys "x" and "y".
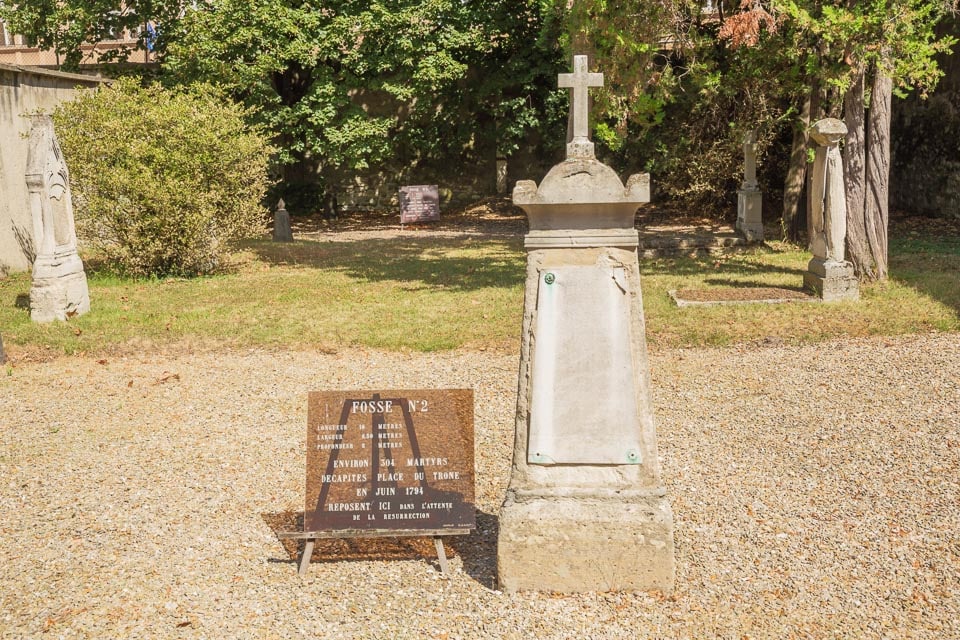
{"x": 167, "y": 377}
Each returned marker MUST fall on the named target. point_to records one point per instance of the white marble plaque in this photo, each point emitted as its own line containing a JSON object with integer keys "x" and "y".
{"x": 583, "y": 401}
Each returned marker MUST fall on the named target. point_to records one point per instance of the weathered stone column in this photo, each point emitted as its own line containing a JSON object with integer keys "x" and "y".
{"x": 586, "y": 509}
{"x": 749, "y": 197}
{"x": 828, "y": 273}
{"x": 59, "y": 288}
{"x": 281, "y": 223}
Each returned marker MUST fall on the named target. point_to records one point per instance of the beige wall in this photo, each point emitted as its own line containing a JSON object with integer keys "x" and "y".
{"x": 23, "y": 91}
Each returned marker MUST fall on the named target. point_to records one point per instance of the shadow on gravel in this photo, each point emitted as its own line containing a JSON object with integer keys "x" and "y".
{"x": 477, "y": 551}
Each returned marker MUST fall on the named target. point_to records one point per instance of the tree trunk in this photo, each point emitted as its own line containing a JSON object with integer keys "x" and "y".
{"x": 854, "y": 178}
{"x": 876, "y": 209}
{"x": 793, "y": 185}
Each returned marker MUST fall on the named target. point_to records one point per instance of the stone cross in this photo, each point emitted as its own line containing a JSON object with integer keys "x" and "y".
{"x": 580, "y": 81}
{"x": 586, "y": 509}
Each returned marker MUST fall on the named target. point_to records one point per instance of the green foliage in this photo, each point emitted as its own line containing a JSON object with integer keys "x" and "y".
{"x": 65, "y": 25}
{"x": 164, "y": 182}
{"x": 683, "y": 86}
{"x": 351, "y": 85}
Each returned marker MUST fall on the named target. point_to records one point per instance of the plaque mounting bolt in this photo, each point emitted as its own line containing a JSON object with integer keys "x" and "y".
{"x": 632, "y": 456}
{"x": 549, "y": 278}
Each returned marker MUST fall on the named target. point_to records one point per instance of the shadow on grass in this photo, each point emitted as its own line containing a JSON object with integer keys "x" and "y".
{"x": 477, "y": 551}
{"x": 707, "y": 264}
{"x": 754, "y": 284}
{"x": 459, "y": 263}
{"x": 929, "y": 265}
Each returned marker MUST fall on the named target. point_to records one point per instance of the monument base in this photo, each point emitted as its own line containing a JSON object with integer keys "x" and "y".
{"x": 572, "y": 544}
{"x": 832, "y": 281}
{"x": 59, "y": 290}
{"x": 750, "y": 214}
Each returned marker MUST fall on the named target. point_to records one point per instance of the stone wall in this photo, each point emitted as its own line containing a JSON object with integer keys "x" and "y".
{"x": 23, "y": 91}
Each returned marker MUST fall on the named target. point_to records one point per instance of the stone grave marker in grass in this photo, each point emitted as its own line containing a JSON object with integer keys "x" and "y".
{"x": 59, "y": 288}
{"x": 281, "y": 224}
{"x": 419, "y": 203}
{"x": 829, "y": 274}
{"x": 749, "y": 197}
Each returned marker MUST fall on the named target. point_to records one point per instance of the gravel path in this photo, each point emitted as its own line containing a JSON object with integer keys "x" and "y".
{"x": 815, "y": 492}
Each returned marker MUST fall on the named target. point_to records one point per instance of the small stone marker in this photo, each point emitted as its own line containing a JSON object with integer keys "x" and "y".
{"x": 585, "y": 509}
{"x": 388, "y": 463}
{"x": 419, "y": 203}
{"x": 749, "y": 197}
{"x": 59, "y": 287}
{"x": 501, "y": 175}
{"x": 829, "y": 274}
{"x": 281, "y": 224}
{"x": 3, "y": 355}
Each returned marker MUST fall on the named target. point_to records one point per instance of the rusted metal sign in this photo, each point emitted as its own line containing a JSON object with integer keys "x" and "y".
{"x": 419, "y": 203}
{"x": 396, "y": 461}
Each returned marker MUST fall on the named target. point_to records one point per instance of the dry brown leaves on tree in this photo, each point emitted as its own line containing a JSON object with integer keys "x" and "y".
{"x": 743, "y": 29}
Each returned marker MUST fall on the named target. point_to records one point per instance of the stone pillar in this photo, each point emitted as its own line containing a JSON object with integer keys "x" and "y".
{"x": 749, "y": 197}
{"x": 501, "y": 175}
{"x": 829, "y": 274}
{"x": 586, "y": 509}
{"x": 59, "y": 287}
{"x": 281, "y": 224}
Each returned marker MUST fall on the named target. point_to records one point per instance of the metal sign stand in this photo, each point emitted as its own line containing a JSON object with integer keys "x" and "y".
{"x": 311, "y": 537}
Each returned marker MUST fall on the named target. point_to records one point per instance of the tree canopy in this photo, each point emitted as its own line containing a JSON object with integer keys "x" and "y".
{"x": 350, "y": 84}
{"x": 65, "y": 25}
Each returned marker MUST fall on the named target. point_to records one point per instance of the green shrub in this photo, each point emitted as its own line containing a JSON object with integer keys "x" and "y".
{"x": 164, "y": 181}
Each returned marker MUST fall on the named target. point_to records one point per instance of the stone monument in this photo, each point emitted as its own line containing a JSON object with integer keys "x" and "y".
{"x": 586, "y": 509}
{"x": 828, "y": 273}
{"x": 59, "y": 289}
{"x": 501, "y": 175}
{"x": 749, "y": 197}
{"x": 281, "y": 223}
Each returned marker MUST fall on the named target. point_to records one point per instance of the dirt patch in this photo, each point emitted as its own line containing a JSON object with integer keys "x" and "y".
{"x": 738, "y": 295}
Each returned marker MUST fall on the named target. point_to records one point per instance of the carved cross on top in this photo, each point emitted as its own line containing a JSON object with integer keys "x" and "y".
{"x": 580, "y": 80}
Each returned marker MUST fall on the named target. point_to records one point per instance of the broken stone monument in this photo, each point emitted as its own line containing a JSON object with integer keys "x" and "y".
{"x": 281, "y": 224}
{"x": 59, "y": 289}
{"x": 749, "y": 197}
{"x": 828, "y": 273}
{"x": 586, "y": 509}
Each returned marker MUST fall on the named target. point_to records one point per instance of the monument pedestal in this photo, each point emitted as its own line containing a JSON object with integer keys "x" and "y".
{"x": 59, "y": 290}
{"x": 832, "y": 280}
{"x": 586, "y": 509}
{"x": 750, "y": 214}
{"x": 585, "y": 543}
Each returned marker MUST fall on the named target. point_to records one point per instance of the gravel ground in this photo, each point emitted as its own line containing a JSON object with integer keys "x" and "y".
{"x": 815, "y": 491}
